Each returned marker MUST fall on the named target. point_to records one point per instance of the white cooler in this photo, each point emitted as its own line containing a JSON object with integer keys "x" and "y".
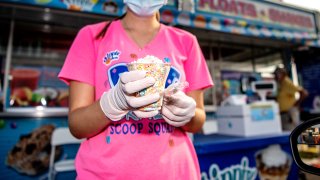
{"x": 253, "y": 119}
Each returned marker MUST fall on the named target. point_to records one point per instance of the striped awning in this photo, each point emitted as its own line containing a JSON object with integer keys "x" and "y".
{"x": 265, "y": 19}
{"x": 261, "y": 19}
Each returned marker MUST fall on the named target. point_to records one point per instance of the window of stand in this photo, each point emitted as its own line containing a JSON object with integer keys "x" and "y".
{"x": 40, "y": 45}
{"x": 236, "y": 61}
{"x": 41, "y": 39}
{"x": 213, "y": 53}
{"x": 37, "y": 55}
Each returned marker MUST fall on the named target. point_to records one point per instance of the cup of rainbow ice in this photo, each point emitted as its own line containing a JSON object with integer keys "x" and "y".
{"x": 156, "y": 68}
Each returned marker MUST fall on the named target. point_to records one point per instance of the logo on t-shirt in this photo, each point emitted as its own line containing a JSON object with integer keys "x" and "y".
{"x": 115, "y": 70}
{"x": 111, "y": 56}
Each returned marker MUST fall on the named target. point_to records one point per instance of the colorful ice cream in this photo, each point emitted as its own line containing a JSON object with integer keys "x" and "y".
{"x": 157, "y": 69}
{"x": 273, "y": 163}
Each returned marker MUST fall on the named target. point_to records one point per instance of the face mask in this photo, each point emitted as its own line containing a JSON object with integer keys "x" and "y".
{"x": 145, "y": 7}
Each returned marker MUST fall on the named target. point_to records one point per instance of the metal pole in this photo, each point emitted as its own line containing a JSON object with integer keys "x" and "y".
{"x": 7, "y": 64}
{"x": 294, "y": 75}
{"x": 219, "y": 68}
{"x": 253, "y": 61}
{"x": 214, "y": 102}
{"x": 294, "y": 72}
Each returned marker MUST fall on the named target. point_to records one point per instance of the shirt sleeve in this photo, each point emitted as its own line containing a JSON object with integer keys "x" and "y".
{"x": 291, "y": 87}
{"x": 196, "y": 69}
{"x": 79, "y": 63}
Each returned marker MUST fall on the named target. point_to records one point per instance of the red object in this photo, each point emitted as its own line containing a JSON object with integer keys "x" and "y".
{"x": 25, "y": 78}
{"x": 167, "y": 16}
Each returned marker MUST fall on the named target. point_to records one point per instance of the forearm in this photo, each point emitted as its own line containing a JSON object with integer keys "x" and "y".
{"x": 87, "y": 121}
{"x": 196, "y": 122}
{"x": 303, "y": 95}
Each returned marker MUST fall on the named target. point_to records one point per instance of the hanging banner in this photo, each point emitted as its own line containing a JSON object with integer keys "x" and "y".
{"x": 109, "y": 7}
{"x": 261, "y": 19}
{"x": 260, "y": 13}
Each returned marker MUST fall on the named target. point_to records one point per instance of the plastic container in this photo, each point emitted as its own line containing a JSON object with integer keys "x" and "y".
{"x": 25, "y": 78}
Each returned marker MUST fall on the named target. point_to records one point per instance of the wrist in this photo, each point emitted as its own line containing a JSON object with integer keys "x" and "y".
{"x": 109, "y": 108}
{"x": 196, "y": 122}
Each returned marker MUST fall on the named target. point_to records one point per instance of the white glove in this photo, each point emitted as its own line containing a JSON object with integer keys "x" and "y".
{"x": 118, "y": 101}
{"x": 178, "y": 109}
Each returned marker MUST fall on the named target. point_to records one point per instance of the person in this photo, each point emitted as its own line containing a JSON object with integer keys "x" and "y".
{"x": 123, "y": 142}
{"x": 309, "y": 138}
{"x": 288, "y": 104}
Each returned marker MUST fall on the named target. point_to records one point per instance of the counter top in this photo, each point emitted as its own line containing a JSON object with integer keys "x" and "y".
{"x": 220, "y": 143}
{"x": 38, "y": 112}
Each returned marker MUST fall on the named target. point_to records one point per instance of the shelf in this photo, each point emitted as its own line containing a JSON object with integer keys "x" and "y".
{"x": 53, "y": 58}
{"x": 35, "y": 112}
{"x": 37, "y": 62}
{"x": 51, "y": 55}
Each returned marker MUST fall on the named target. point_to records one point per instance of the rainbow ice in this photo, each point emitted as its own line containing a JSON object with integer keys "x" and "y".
{"x": 156, "y": 68}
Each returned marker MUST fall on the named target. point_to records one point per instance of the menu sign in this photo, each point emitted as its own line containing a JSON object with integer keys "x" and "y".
{"x": 260, "y": 12}
{"x": 309, "y": 69}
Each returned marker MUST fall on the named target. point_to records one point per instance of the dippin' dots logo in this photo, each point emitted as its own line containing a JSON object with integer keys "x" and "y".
{"x": 235, "y": 172}
{"x": 111, "y": 56}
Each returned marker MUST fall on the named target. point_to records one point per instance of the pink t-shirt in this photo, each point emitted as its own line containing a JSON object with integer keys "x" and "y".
{"x": 135, "y": 148}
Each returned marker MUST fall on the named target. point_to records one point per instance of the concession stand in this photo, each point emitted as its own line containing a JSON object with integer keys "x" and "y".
{"x": 237, "y": 37}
